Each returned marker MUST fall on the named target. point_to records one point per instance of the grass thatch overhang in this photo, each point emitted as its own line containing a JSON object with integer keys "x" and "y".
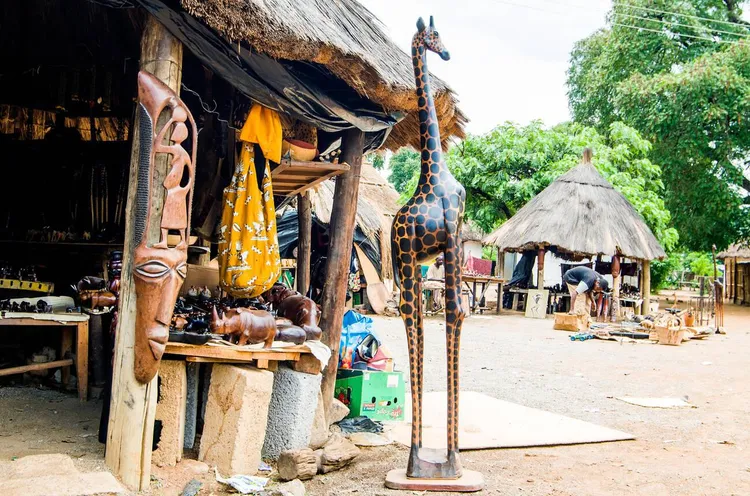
{"x": 376, "y": 206}
{"x": 346, "y": 38}
{"x": 580, "y": 214}
{"x": 736, "y": 250}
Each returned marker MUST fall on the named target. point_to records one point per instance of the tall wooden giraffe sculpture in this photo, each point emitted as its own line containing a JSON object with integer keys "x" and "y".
{"x": 430, "y": 224}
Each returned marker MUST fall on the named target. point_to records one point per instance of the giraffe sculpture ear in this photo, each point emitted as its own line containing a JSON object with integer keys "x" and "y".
{"x": 420, "y": 24}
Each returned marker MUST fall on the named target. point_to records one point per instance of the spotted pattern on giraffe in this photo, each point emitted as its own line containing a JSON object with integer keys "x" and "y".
{"x": 427, "y": 225}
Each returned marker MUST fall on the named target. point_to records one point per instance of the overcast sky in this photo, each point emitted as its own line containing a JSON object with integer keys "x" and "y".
{"x": 508, "y": 57}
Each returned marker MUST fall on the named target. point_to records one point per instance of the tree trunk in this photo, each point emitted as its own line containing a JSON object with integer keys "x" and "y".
{"x": 133, "y": 405}
{"x": 304, "y": 222}
{"x": 616, "y": 278}
{"x": 341, "y": 228}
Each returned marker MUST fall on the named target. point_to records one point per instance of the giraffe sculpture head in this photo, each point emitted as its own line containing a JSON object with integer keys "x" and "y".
{"x": 429, "y": 36}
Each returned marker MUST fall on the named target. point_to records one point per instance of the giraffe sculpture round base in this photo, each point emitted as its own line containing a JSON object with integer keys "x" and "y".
{"x": 469, "y": 482}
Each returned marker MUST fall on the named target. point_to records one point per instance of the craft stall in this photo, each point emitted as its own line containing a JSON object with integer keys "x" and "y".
{"x": 160, "y": 155}
{"x": 599, "y": 228}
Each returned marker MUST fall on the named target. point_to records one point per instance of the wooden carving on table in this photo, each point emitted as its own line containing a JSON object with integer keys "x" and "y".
{"x": 245, "y": 326}
{"x": 301, "y": 310}
{"x": 430, "y": 224}
{"x": 159, "y": 269}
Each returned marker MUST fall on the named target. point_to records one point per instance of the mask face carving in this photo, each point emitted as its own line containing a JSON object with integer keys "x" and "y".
{"x": 159, "y": 269}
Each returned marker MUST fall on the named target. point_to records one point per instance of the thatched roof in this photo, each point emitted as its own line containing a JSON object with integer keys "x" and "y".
{"x": 736, "y": 250}
{"x": 376, "y": 206}
{"x": 471, "y": 232}
{"x": 346, "y": 38}
{"x": 580, "y": 213}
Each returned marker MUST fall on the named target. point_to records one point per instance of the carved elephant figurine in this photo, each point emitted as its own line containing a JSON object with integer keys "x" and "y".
{"x": 245, "y": 326}
{"x": 302, "y": 311}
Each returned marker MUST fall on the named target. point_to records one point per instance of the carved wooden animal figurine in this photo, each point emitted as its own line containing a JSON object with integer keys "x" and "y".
{"x": 301, "y": 310}
{"x": 158, "y": 269}
{"x": 245, "y": 326}
{"x": 430, "y": 224}
{"x": 98, "y": 299}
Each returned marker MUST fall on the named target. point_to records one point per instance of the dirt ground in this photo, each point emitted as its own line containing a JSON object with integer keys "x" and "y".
{"x": 699, "y": 451}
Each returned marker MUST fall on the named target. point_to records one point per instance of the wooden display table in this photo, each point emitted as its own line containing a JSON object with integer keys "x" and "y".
{"x": 67, "y": 322}
{"x": 471, "y": 282}
{"x": 300, "y": 357}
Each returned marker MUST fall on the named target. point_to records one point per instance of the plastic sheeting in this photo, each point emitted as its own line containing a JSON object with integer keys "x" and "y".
{"x": 302, "y": 89}
{"x": 287, "y": 231}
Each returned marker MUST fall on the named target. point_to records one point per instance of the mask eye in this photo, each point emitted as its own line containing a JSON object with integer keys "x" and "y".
{"x": 152, "y": 269}
{"x": 182, "y": 270}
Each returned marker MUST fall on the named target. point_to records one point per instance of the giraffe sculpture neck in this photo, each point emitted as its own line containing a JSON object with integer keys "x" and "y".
{"x": 428, "y": 124}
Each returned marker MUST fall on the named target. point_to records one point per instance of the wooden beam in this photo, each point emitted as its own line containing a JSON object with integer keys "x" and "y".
{"x": 36, "y": 366}
{"x": 540, "y": 268}
{"x": 500, "y": 266}
{"x": 133, "y": 405}
{"x": 343, "y": 215}
{"x": 304, "y": 242}
{"x": 646, "y": 286}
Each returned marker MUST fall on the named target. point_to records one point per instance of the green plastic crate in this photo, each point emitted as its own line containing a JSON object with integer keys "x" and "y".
{"x": 374, "y": 394}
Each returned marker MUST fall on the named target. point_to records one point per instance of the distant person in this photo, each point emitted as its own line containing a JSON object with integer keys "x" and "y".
{"x": 436, "y": 283}
{"x": 584, "y": 281}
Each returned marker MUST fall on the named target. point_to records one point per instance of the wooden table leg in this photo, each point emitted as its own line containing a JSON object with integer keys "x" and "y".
{"x": 82, "y": 360}
{"x": 66, "y": 349}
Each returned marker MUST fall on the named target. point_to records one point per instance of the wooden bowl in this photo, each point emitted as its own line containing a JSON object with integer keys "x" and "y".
{"x": 299, "y": 150}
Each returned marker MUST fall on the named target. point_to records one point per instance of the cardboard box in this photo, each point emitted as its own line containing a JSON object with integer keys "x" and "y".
{"x": 575, "y": 323}
{"x": 199, "y": 276}
{"x": 374, "y": 394}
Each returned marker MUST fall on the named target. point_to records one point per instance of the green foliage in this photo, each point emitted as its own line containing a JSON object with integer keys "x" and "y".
{"x": 687, "y": 94}
{"x": 700, "y": 264}
{"x": 405, "y": 166}
{"x": 489, "y": 252}
{"x": 377, "y": 160}
{"x": 666, "y": 273}
{"x": 505, "y": 168}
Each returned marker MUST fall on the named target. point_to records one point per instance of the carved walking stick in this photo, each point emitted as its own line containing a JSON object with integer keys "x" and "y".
{"x": 159, "y": 270}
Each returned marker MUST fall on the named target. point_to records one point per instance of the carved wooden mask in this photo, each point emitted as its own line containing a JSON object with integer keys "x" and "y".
{"x": 159, "y": 269}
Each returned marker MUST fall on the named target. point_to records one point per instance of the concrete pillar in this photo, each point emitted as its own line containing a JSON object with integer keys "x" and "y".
{"x": 290, "y": 417}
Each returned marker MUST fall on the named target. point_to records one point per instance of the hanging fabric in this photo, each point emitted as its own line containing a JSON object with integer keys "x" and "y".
{"x": 249, "y": 261}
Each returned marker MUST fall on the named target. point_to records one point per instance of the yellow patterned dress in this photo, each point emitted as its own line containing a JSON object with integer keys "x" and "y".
{"x": 249, "y": 261}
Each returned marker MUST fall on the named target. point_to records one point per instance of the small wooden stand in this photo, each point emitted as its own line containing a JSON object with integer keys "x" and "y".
{"x": 469, "y": 482}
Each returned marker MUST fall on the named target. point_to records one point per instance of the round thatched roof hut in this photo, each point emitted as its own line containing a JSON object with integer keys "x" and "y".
{"x": 581, "y": 215}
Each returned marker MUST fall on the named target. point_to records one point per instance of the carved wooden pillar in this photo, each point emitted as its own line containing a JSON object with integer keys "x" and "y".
{"x": 341, "y": 231}
{"x": 304, "y": 224}
{"x": 133, "y": 405}
{"x": 540, "y": 268}
{"x": 646, "y": 289}
{"x": 500, "y": 267}
{"x": 616, "y": 279}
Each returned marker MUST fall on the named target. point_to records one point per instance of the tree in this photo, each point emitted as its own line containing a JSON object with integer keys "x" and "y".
{"x": 404, "y": 165}
{"x": 505, "y": 168}
{"x": 675, "y": 72}
{"x": 376, "y": 159}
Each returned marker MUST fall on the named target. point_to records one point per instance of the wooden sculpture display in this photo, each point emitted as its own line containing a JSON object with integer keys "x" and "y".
{"x": 159, "y": 269}
{"x": 290, "y": 304}
{"x": 430, "y": 224}
{"x": 245, "y": 326}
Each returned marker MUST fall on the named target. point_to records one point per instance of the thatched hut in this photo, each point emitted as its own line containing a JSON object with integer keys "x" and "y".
{"x": 580, "y": 215}
{"x": 324, "y": 66}
{"x": 737, "y": 272}
{"x": 472, "y": 237}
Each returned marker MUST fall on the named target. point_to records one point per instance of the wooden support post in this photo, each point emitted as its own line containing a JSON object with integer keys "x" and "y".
{"x": 304, "y": 241}
{"x": 646, "y": 289}
{"x": 540, "y": 268}
{"x": 343, "y": 216}
{"x": 616, "y": 278}
{"x": 133, "y": 405}
{"x": 500, "y": 266}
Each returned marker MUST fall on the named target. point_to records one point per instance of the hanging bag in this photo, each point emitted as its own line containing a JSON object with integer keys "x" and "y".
{"x": 249, "y": 261}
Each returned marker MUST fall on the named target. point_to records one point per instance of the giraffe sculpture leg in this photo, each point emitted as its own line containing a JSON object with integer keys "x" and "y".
{"x": 454, "y": 317}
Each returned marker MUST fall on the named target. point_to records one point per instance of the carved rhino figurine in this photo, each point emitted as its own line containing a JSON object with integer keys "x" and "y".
{"x": 245, "y": 326}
